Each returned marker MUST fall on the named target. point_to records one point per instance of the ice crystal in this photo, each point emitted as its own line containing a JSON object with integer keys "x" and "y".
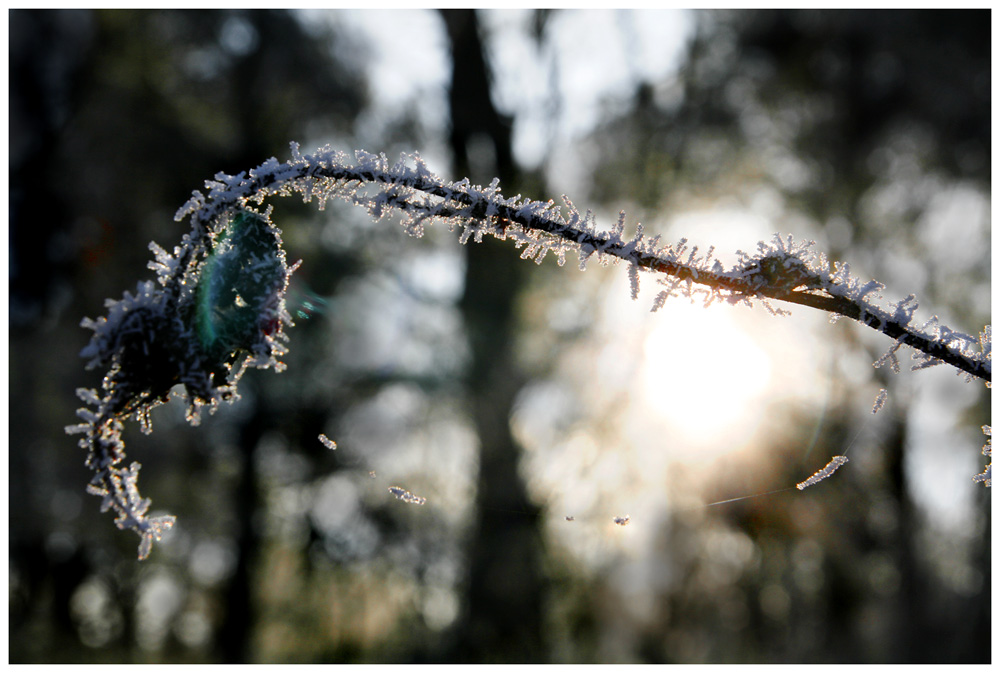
{"x": 327, "y": 442}
{"x": 622, "y": 520}
{"x": 830, "y": 468}
{"x": 883, "y": 394}
{"x": 986, "y": 475}
{"x": 406, "y": 496}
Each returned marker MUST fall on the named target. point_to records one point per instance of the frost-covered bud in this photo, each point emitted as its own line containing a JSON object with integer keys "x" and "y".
{"x": 240, "y": 286}
{"x": 781, "y": 271}
{"x": 160, "y": 337}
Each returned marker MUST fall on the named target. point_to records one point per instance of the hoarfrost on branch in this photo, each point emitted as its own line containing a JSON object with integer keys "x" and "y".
{"x": 217, "y": 307}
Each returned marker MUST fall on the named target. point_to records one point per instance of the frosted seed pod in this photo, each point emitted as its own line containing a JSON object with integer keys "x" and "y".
{"x": 781, "y": 271}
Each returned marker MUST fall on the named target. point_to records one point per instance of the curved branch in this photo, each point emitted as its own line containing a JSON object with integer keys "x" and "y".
{"x": 220, "y": 307}
{"x": 778, "y": 271}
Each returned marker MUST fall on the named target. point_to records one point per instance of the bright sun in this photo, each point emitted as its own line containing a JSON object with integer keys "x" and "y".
{"x": 704, "y": 376}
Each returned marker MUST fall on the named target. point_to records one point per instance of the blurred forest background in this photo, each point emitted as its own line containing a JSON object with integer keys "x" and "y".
{"x": 530, "y": 405}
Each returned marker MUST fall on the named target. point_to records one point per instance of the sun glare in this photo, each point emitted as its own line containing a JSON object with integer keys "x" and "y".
{"x": 704, "y": 375}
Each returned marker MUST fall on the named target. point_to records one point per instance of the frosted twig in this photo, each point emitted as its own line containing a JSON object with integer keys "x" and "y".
{"x": 219, "y": 307}
{"x": 781, "y": 270}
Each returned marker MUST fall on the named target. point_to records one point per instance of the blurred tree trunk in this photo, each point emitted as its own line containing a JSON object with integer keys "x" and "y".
{"x": 234, "y": 640}
{"x": 257, "y": 133}
{"x": 501, "y": 619}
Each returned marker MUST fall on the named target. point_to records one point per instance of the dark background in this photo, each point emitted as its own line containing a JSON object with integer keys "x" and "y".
{"x": 283, "y": 551}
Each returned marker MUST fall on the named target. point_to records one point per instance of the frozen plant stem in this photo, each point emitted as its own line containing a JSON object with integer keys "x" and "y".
{"x": 782, "y": 270}
{"x": 220, "y": 307}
